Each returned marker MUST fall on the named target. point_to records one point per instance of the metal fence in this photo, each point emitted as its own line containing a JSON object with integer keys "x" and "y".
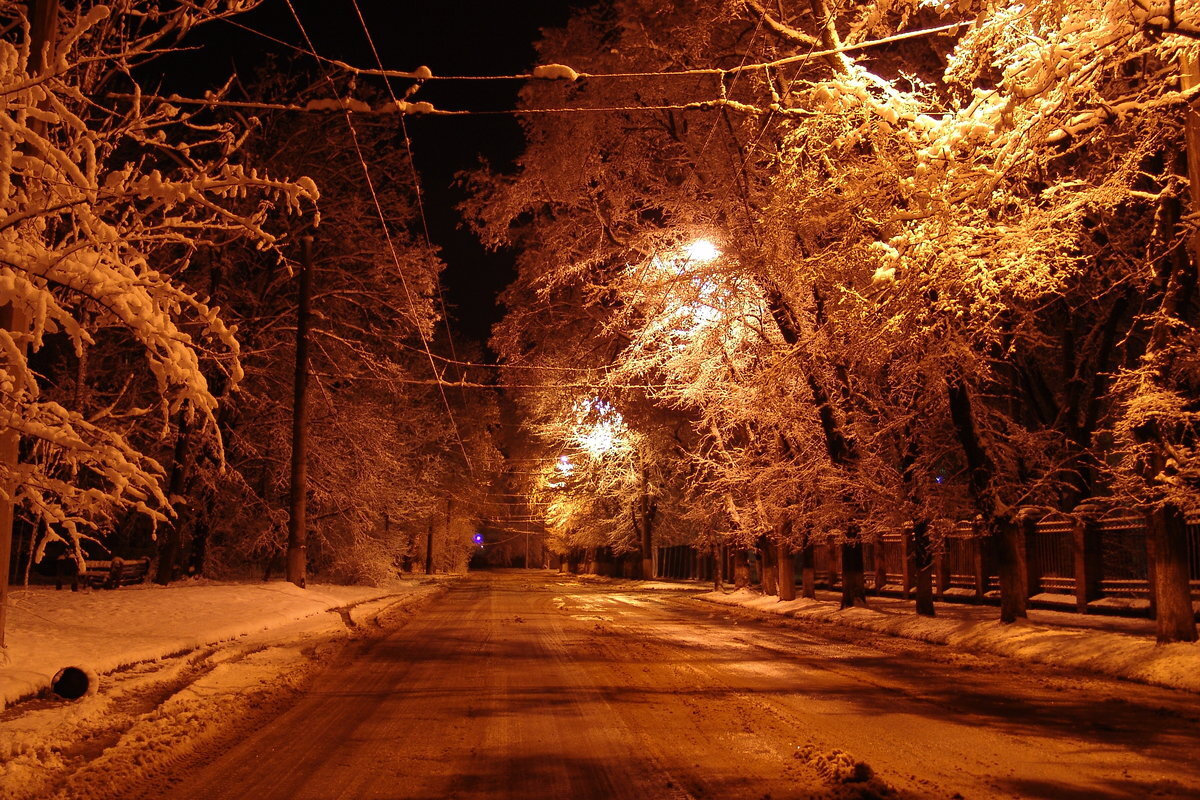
{"x": 1193, "y": 537}
{"x": 960, "y": 559}
{"x": 1051, "y": 556}
{"x": 1124, "y": 557}
{"x": 892, "y": 570}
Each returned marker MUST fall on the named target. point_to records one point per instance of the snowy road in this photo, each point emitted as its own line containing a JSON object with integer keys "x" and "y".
{"x": 532, "y": 686}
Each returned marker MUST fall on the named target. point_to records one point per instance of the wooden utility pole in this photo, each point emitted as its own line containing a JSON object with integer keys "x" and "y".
{"x": 43, "y": 24}
{"x": 429, "y": 548}
{"x": 297, "y": 548}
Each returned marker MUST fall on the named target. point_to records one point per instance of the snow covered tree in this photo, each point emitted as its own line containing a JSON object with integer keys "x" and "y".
{"x": 385, "y": 439}
{"x": 107, "y": 198}
{"x": 961, "y": 247}
{"x": 1048, "y": 190}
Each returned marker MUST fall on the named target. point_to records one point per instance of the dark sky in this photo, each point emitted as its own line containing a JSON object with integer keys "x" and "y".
{"x": 451, "y": 37}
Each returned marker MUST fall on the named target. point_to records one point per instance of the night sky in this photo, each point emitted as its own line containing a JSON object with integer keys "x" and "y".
{"x": 451, "y": 38}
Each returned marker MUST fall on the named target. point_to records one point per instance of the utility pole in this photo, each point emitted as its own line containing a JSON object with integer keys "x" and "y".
{"x": 429, "y": 548}
{"x": 43, "y": 25}
{"x": 297, "y": 547}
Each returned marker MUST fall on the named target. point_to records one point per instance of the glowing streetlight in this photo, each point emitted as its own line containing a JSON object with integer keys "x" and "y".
{"x": 599, "y": 428}
{"x": 702, "y": 251}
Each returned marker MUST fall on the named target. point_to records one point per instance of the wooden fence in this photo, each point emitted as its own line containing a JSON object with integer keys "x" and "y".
{"x": 1101, "y": 565}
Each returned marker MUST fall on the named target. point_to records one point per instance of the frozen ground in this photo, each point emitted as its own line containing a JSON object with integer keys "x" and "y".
{"x": 174, "y": 664}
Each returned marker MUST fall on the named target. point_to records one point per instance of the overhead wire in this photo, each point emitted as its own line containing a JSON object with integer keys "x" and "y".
{"x": 743, "y": 67}
{"x": 708, "y": 104}
{"x": 388, "y": 238}
{"x": 412, "y": 165}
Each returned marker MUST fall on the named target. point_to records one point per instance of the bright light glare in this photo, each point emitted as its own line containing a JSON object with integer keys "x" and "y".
{"x": 564, "y": 465}
{"x": 702, "y": 250}
{"x": 599, "y": 428}
{"x": 601, "y": 438}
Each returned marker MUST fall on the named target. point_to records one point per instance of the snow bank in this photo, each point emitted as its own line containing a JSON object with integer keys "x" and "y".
{"x": 102, "y": 630}
{"x": 1123, "y": 655}
{"x": 260, "y": 644}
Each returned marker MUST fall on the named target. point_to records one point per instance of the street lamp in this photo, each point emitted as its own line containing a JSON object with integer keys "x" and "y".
{"x": 703, "y": 251}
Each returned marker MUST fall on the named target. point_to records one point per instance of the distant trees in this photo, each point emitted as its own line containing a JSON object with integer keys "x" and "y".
{"x": 389, "y": 448}
{"x": 952, "y": 273}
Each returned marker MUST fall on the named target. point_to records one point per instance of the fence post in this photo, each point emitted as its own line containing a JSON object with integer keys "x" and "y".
{"x": 1033, "y": 569}
{"x": 1085, "y": 538}
{"x": 981, "y": 562}
{"x": 941, "y": 571}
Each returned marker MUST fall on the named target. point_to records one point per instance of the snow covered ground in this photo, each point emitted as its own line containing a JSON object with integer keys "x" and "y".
{"x": 173, "y": 665}
{"x": 181, "y": 669}
{"x": 1121, "y": 647}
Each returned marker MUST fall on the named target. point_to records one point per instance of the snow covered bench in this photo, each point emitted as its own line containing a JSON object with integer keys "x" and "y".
{"x": 103, "y": 574}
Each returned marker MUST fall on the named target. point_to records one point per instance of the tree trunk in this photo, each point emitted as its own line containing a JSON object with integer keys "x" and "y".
{"x": 923, "y": 568}
{"x": 168, "y": 545}
{"x": 768, "y": 558}
{"x": 429, "y": 548}
{"x": 718, "y": 568}
{"x": 741, "y": 569}
{"x": 854, "y": 586}
{"x": 808, "y": 572}
{"x": 198, "y": 553}
{"x": 649, "y": 510}
{"x": 786, "y": 575}
{"x": 1003, "y": 532}
{"x": 1175, "y": 620}
{"x": 1009, "y": 548}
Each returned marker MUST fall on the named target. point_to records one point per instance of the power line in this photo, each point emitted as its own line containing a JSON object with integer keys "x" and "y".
{"x": 551, "y": 75}
{"x": 413, "y": 109}
{"x": 388, "y": 238}
{"x": 412, "y": 165}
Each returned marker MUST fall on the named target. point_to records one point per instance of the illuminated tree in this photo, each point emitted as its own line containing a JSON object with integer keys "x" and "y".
{"x": 391, "y": 452}
{"x": 105, "y": 208}
{"x": 955, "y": 274}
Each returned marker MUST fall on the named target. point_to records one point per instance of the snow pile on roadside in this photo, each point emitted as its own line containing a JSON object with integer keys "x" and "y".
{"x": 1122, "y": 655}
{"x": 150, "y": 717}
{"x": 103, "y": 630}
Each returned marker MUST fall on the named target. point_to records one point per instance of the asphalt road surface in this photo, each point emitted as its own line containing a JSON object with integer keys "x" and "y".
{"x": 519, "y": 685}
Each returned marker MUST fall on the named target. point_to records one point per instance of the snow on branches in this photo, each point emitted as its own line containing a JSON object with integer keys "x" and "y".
{"x": 101, "y": 211}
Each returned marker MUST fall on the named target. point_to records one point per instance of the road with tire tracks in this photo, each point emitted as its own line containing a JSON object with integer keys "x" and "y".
{"x": 534, "y": 685}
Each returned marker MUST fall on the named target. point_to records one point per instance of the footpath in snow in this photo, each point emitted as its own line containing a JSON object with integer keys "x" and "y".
{"x": 102, "y": 630}
{"x": 1121, "y": 647}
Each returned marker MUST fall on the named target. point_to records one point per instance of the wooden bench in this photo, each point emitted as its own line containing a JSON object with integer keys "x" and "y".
{"x": 102, "y": 574}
